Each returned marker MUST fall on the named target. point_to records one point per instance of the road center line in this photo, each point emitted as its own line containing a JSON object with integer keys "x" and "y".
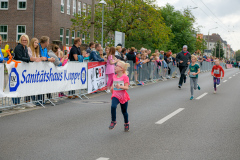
{"x": 204, "y": 94}
{"x": 224, "y": 81}
{"x": 102, "y": 158}
{"x": 169, "y": 116}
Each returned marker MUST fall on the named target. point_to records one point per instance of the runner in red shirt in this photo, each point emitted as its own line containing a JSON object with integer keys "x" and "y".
{"x": 217, "y": 73}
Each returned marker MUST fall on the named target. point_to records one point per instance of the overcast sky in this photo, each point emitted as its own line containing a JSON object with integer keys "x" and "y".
{"x": 227, "y": 12}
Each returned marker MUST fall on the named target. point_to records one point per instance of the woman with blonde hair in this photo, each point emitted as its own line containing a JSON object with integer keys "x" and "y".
{"x": 33, "y": 49}
{"x": 118, "y": 52}
{"x": 21, "y": 50}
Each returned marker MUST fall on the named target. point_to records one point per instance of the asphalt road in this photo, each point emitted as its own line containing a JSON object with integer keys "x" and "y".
{"x": 203, "y": 129}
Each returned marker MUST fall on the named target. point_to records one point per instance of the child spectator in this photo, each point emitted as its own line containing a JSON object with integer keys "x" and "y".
{"x": 110, "y": 67}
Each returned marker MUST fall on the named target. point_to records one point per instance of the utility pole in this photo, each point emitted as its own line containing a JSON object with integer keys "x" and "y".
{"x": 215, "y": 49}
{"x": 92, "y": 21}
{"x": 219, "y": 50}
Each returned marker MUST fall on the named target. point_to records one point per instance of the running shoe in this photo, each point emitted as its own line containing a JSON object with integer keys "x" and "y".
{"x": 126, "y": 127}
{"x": 191, "y": 98}
{"x": 198, "y": 87}
{"x": 214, "y": 92}
{"x": 112, "y": 125}
{"x": 179, "y": 86}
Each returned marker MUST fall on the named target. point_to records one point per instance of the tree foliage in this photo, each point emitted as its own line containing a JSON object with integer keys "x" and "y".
{"x": 144, "y": 25}
{"x": 140, "y": 21}
{"x": 217, "y": 50}
{"x": 201, "y": 44}
{"x": 237, "y": 55}
{"x": 181, "y": 24}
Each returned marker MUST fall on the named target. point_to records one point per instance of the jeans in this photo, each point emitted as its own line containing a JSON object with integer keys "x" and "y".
{"x": 71, "y": 93}
{"x": 193, "y": 84}
{"x": 216, "y": 82}
{"x": 124, "y": 106}
{"x": 183, "y": 75}
{"x": 16, "y": 100}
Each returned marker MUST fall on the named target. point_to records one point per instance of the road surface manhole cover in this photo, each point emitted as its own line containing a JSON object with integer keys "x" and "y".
{"x": 95, "y": 102}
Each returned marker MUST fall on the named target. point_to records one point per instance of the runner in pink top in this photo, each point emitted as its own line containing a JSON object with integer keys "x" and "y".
{"x": 119, "y": 94}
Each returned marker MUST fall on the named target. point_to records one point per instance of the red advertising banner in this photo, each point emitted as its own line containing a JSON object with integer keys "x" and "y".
{"x": 97, "y": 80}
{"x": 229, "y": 66}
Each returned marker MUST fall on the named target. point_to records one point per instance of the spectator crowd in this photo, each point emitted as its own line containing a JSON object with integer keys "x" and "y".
{"x": 36, "y": 50}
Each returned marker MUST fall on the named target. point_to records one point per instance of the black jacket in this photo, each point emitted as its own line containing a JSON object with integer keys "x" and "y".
{"x": 185, "y": 59}
{"x": 131, "y": 57}
{"x": 74, "y": 50}
{"x": 21, "y": 54}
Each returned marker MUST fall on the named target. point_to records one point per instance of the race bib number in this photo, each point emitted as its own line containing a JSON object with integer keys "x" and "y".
{"x": 121, "y": 83}
{"x": 216, "y": 71}
{"x": 191, "y": 74}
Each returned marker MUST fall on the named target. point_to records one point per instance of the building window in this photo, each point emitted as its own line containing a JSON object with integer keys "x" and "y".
{"x": 78, "y": 34}
{"x": 62, "y": 6}
{"x": 68, "y": 7}
{"x": 22, "y": 5}
{"x": 74, "y": 7}
{"x": 84, "y": 9}
{"x": 3, "y": 4}
{"x": 87, "y": 39}
{"x": 73, "y": 37}
{"x": 21, "y": 29}
{"x": 61, "y": 34}
{"x": 79, "y": 8}
{"x": 4, "y": 32}
{"x": 89, "y": 9}
{"x": 67, "y": 37}
{"x": 83, "y": 38}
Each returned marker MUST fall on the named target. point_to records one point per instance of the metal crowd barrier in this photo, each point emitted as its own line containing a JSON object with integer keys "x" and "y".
{"x": 152, "y": 71}
{"x": 38, "y": 100}
{"x": 148, "y": 72}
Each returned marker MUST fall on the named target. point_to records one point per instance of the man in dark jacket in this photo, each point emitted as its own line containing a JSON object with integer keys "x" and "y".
{"x": 75, "y": 50}
{"x": 94, "y": 56}
{"x": 184, "y": 59}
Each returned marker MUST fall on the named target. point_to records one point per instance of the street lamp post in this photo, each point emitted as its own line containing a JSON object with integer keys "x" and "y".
{"x": 208, "y": 35}
{"x": 103, "y": 3}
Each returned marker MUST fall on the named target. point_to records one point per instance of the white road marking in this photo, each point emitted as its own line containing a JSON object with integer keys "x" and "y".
{"x": 169, "y": 116}
{"x": 204, "y": 94}
{"x": 102, "y": 158}
{"x": 224, "y": 81}
{"x": 233, "y": 75}
{"x": 230, "y": 77}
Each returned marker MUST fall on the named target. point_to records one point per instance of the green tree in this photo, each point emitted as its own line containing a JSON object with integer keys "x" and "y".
{"x": 141, "y": 22}
{"x": 181, "y": 24}
{"x": 201, "y": 44}
{"x": 217, "y": 50}
{"x": 237, "y": 55}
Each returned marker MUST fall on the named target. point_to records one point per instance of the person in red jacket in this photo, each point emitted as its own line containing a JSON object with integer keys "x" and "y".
{"x": 217, "y": 73}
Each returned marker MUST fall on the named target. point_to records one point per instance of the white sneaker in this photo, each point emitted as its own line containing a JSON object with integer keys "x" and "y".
{"x": 19, "y": 108}
{"x": 214, "y": 92}
{"x": 34, "y": 105}
{"x": 54, "y": 100}
{"x": 108, "y": 91}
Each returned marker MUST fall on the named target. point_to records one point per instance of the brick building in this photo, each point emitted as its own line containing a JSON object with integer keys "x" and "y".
{"x": 46, "y": 17}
